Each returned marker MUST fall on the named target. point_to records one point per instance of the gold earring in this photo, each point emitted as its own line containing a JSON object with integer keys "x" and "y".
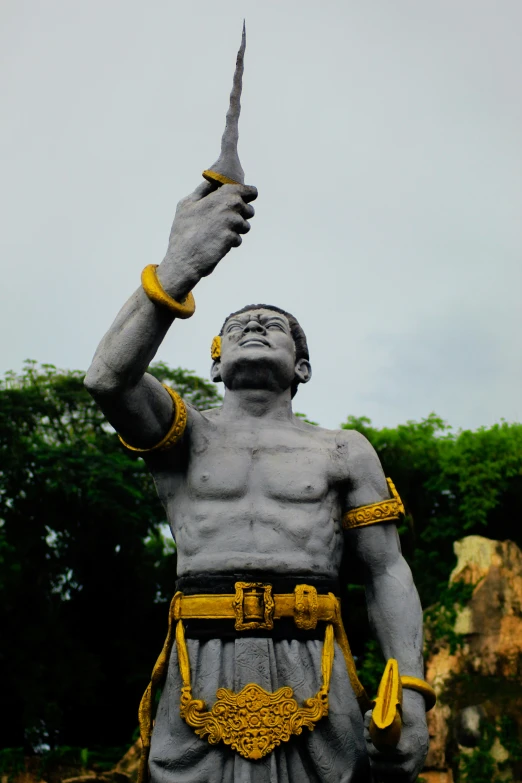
{"x": 215, "y": 348}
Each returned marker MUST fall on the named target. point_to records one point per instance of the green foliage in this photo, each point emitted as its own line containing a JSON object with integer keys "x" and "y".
{"x": 304, "y": 418}
{"x": 440, "y": 619}
{"x": 479, "y": 765}
{"x": 453, "y": 484}
{"x": 85, "y": 570}
{"x": 12, "y": 762}
{"x": 372, "y": 667}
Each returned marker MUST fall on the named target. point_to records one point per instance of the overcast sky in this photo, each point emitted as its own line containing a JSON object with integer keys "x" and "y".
{"x": 385, "y": 140}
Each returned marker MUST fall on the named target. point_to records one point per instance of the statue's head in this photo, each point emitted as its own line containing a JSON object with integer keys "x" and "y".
{"x": 261, "y": 346}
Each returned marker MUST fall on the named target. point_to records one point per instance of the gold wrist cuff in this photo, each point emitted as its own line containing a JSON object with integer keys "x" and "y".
{"x": 220, "y": 179}
{"x": 421, "y": 686}
{"x": 157, "y": 294}
{"x": 176, "y": 430}
{"x": 386, "y": 511}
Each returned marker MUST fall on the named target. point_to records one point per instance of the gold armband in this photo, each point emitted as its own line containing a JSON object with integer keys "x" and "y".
{"x": 157, "y": 294}
{"x": 386, "y": 511}
{"x": 176, "y": 430}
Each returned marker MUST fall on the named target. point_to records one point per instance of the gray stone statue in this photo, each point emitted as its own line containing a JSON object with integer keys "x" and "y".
{"x": 258, "y": 682}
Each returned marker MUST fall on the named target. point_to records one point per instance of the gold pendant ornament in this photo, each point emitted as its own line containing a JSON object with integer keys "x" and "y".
{"x": 254, "y": 721}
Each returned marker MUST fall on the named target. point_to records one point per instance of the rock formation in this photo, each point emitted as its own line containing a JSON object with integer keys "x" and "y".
{"x": 476, "y": 727}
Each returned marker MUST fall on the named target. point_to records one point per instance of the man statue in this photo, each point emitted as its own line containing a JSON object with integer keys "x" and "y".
{"x": 258, "y": 685}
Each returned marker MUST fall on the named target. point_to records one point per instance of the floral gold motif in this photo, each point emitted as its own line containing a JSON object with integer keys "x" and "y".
{"x": 386, "y": 511}
{"x": 253, "y": 722}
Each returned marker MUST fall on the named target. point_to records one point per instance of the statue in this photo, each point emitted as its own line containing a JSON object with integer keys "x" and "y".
{"x": 258, "y": 681}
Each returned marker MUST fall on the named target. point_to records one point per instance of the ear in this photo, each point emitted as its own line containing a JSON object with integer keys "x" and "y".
{"x": 303, "y": 371}
{"x": 215, "y": 371}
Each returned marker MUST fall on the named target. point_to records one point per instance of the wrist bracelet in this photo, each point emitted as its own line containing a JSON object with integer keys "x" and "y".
{"x": 158, "y": 295}
{"x": 422, "y": 687}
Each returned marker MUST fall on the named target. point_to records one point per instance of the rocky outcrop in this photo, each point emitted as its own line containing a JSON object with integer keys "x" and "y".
{"x": 477, "y": 674}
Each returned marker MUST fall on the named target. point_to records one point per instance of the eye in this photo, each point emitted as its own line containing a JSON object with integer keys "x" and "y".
{"x": 275, "y": 326}
{"x": 233, "y": 327}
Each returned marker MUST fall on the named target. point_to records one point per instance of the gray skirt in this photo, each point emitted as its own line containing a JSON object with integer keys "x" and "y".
{"x": 334, "y": 752}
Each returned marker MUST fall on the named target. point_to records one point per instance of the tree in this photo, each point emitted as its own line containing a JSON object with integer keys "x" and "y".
{"x": 453, "y": 484}
{"x": 86, "y": 572}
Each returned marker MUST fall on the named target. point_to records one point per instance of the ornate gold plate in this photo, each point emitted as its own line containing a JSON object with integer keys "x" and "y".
{"x": 253, "y": 722}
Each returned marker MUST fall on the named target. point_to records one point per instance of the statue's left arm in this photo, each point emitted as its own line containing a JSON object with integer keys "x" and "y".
{"x": 394, "y": 608}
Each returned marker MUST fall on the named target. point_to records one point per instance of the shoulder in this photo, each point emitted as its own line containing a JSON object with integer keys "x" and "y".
{"x": 354, "y": 450}
{"x": 361, "y": 466}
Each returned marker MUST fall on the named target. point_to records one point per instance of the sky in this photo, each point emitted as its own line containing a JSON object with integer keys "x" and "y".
{"x": 384, "y": 139}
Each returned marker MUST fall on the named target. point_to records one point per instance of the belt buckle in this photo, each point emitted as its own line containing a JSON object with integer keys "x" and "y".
{"x": 253, "y": 606}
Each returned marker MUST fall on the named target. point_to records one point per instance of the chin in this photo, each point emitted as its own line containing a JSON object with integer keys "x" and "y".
{"x": 259, "y": 374}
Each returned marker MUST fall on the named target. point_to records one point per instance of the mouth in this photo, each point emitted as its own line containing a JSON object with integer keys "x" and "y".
{"x": 254, "y": 341}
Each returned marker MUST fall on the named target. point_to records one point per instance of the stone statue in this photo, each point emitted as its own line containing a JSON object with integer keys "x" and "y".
{"x": 258, "y": 682}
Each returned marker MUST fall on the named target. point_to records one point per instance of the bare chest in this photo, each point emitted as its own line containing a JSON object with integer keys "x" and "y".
{"x": 231, "y": 462}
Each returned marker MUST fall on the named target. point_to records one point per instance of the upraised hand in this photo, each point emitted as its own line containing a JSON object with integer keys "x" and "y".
{"x": 208, "y": 223}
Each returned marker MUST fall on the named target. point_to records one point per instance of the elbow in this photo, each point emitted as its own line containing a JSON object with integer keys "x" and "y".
{"x": 100, "y": 382}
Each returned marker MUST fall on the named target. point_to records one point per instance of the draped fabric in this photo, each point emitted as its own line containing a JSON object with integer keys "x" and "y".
{"x": 334, "y": 752}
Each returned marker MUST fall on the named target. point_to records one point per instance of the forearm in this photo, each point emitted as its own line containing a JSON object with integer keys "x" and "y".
{"x": 395, "y": 614}
{"x": 129, "y": 346}
{"x": 132, "y": 341}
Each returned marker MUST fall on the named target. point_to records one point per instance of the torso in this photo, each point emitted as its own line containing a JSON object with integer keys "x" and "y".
{"x": 255, "y": 495}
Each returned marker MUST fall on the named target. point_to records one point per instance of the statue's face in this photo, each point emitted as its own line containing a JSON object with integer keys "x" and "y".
{"x": 258, "y": 352}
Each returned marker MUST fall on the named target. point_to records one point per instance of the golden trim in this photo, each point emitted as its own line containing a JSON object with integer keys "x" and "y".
{"x": 385, "y": 511}
{"x": 145, "y": 709}
{"x": 158, "y": 295}
{"x": 254, "y": 721}
{"x": 176, "y": 429}
{"x": 215, "y": 177}
{"x": 421, "y": 686}
{"x": 215, "y": 348}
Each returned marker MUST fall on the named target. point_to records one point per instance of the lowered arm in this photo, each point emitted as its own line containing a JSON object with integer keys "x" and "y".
{"x": 394, "y": 608}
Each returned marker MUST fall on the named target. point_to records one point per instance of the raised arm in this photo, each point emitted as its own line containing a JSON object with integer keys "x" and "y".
{"x": 208, "y": 223}
{"x": 394, "y": 610}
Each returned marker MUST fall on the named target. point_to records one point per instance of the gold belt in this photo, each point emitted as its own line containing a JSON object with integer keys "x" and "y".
{"x": 253, "y": 607}
{"x": 254, "y": 721}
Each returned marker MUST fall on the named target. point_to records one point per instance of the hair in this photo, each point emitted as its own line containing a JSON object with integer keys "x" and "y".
{"x": 296, "y": 330}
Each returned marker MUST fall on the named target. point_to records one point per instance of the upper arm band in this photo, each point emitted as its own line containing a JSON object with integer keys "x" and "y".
{"x": 385, "y": 511}
{"x": 176, "y": 430}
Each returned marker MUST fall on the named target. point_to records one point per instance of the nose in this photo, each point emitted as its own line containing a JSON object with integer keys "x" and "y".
{"x": 254, "y": 326}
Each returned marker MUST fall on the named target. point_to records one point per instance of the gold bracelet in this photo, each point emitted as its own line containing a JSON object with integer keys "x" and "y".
{"x": 176, "y": 430}
{"x": 217, "y": 178}
{"x": 422, "y": 687}
{"x": 157, "y": 294}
